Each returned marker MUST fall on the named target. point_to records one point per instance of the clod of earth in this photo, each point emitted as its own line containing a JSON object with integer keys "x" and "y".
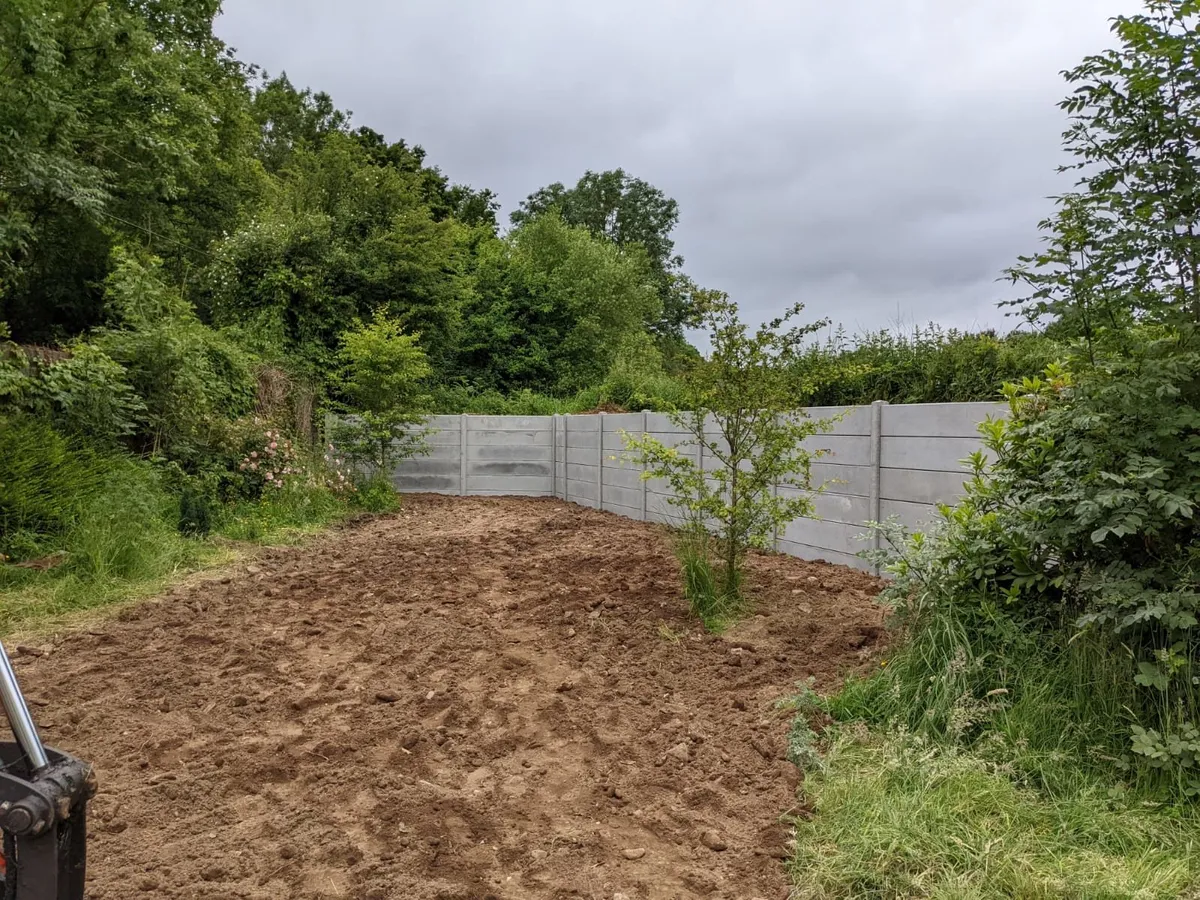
{"x": 713, "y": 841}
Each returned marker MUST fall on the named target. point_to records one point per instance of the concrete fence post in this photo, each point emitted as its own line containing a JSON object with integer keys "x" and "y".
{"x": 462, "y": 455}
{"x": 600, "y": 462}
{"x": 642, "y": 468}
{"x": 567, "y": 458}
{"x": 554, "y": 455}
{"x": 876, "y": 469}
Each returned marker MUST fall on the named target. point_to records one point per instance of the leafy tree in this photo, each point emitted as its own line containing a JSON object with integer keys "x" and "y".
{"x": 625, "y": 210}
{"x": 552, "y": 305}
{"x": 338, "y": 238}
{"x": 187, "y": 376}
{"x": 119, "y": 119}
{"x": 1124, "y": 246}
{"x": 1057, "y": 605}
{"x": 743, "y": 443}
{"x": 290, "y": 120}
{"x": 382, "y": 385}
{"x": 468, "y": 206}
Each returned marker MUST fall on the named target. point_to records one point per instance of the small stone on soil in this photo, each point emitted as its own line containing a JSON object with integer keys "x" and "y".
{"x": 634, "y": 853}
{"x": 387, "y": 697}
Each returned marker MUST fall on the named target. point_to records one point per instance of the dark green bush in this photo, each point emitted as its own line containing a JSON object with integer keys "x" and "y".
{"x": 1060, "y": 599}
{"x": 928, "y": 365}
{"x": 195, "y": 511}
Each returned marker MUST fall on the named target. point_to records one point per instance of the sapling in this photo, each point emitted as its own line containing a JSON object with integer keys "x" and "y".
{"x": 740, "y": 471}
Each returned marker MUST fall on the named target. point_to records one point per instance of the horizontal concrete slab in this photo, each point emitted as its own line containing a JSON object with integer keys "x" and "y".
{"x": 929, "y": 454}
{"x": 938, "y": 419}
{"x": 622, "y": 496}
{"x": 509, "y": 484}
{"x": 843, "y": 419}
{"x": 624, "y": 476}
{"x": 846, "y": 450}
{"x": 838, "y": 479}
{"x": 914, "y": 516}
{"x": 505, "y": 469}
{"x": 430, "y": 466}
{"x": 509, "y": 423}
{"x": 823, "y": 554}
{"x": 578, "y": 440}
{"x": 584, "y": 456}
{"x": 622, "y": 421}
{"x": 514, "y": 437}
{"x": 582, "y": 489}
{"x": 918, "y": 486}
{"x": 578, "y": 472}
{"x": 831, "y": 535}
{"x": 517, "y": 452}
{"x": 434, "y": 483}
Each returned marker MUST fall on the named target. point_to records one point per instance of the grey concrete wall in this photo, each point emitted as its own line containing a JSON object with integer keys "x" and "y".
{"x": 483, "y": 455}
{"x": 878, "y": 461}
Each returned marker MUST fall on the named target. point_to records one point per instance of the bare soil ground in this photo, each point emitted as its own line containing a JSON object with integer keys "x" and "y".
{"x": 477, "y": 698}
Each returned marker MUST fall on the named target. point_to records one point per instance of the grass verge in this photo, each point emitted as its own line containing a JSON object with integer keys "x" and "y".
{"x": 117, "y": 555}
{"x": 896, "y": 817}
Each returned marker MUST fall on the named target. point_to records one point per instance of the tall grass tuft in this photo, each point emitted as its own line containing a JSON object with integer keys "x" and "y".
{"x": 44, "y": 481}
{"x": 711, "y": 600}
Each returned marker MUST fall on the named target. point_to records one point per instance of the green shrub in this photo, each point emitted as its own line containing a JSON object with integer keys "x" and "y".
{"x": 195, "y": 511}
{"x": 87, "y": 395}
{"x": 127, "y": 531}
{"x": 382, "y": 385}
{"x": 190, "y": 378}
{"x": 637, "y": 379}
{"x": 926, "y": 365}
{"x": 377, "y": 495}
{"x": 711, "y": 601}
{"x": 1063, "y": 592}
{"x": 301, "y": 508}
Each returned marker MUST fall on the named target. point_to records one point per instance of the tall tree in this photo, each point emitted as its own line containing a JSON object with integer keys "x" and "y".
{"x": 290, "y": 120}
{"x": 1124, "y": 246}
{"x": 121, "y": 121}
{"x": 340, "y": 237}
{"x": 551, "y": 307}
{"x": 625, "y": 210}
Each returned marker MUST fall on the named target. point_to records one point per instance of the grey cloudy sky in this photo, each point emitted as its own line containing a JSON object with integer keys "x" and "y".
{"x": 881, "y": 161}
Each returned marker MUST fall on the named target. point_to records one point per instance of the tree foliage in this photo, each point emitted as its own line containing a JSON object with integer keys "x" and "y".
{"x": 551, "y": 307}
{"x": 625, "y": 210}
{"x": 1124, "y": 246}
{"x": 113, "y": 115}
{"x": 1057, "y": 605}
{"x": 741, "y": 469}
{"x": 382, "y": 383}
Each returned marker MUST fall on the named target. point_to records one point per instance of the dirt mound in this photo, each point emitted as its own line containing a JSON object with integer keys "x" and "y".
{"x": 477, "y": 698}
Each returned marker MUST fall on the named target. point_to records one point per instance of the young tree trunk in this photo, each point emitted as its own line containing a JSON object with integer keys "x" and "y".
{"x": 731, "y": 539}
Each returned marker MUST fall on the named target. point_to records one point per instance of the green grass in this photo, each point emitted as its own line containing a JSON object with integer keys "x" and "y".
{"x": 282, "y": 517}
{"x": 124, "y": 546}
{"x": 896, "y": 817}
{"x": 716, "y": 604}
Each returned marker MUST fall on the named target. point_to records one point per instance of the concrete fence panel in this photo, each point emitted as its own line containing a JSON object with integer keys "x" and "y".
{"x": 876, "y": 462}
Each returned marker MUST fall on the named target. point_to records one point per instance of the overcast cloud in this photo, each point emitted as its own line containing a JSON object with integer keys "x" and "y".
{"x": 881, "y": 161}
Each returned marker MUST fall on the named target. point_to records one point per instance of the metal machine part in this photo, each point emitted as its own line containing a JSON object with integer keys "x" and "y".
{"x": 43, "y": 807}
